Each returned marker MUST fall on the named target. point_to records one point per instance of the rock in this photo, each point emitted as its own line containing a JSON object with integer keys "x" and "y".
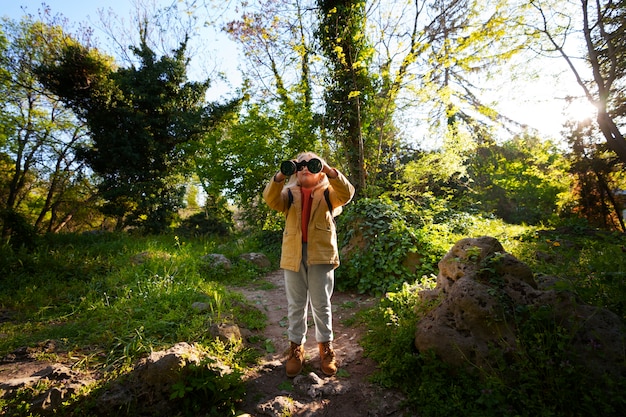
{"x": 216, "y": 260}
{"x": 149, "y": 386}
{"x": 315, "y": 387}
{"x": 483, "y": 289}
{"x": 162, "y": 368}
{"x": 278, "y": 407}
{"x": 226, "y": 332}
{"x": 200, "y": 307}
{"x": 63, "y": 382}
{"x": 146, "y": 256}
{"x": 257, "y": 259}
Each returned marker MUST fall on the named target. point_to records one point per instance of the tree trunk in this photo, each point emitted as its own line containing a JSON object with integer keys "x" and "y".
{"x": 613, "y": 136}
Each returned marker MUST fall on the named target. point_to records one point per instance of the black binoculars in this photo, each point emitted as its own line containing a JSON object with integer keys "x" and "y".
{"x": 288, "y": 168}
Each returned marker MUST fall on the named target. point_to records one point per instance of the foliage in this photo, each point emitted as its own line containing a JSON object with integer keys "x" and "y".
{"x": 598, "y": 177}
{"x": 438, "y": 176}
{"x": 270, "y": 241}
{"x": 397, "y": 313}
{"x": 204, "y": 389}
{"x": 520, "y": 181}
{"x": 380, "y": 241}
{"x": 18, "y": 231}
{"x": 277, "y": 120}
{"x": 376, "y": 64}
{"x": 542, "y": 379}
{"x": 216, "y": 219}
{"x": 589, "y": 261}
{"x": 40, "y": 179}
{"x": 141, "y": 120}
{"x": 349, "y": 96}
{"x": 464, "y": 45}
{"x": 239, "y": 157}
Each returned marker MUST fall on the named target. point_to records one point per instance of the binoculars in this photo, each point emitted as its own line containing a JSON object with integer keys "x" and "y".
{"x": 288, "y": 168}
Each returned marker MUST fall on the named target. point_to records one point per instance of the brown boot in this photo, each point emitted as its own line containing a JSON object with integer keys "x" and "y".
{"x": 327, "y": 358}
{"x": 295, "y": 360}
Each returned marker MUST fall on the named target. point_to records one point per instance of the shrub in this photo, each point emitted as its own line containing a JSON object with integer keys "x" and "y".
{"x": 376, "y": 244}
{"x": 539, "y": 378}
{"x": 21, "y": 233}
{"x": 215, "y": 220}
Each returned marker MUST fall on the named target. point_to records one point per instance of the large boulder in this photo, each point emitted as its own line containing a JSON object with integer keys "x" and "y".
{"x": 486, "y": 294}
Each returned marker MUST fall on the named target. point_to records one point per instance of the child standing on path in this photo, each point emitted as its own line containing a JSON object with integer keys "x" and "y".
{"x": 309, "y": 255}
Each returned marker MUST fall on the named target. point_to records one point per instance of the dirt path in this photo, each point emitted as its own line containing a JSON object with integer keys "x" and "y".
{"x": 348, "y": 394}
{"x": 269, "y": 391}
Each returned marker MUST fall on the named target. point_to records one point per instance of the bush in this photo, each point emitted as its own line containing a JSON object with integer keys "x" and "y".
{"x": 377, "y": 246}
{"x": 21, "y": 233}
{"x": 539, "y": 378}
{"x": 215, "y": 220}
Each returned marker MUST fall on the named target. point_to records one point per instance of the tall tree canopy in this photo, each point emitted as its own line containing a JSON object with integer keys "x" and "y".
{"x": 141, "y": 119}
{"x": 601, "y": 25}
{"x": 370, "y": 85}
{"x": 41, "y": 181}
{"x": 375, "y": 67}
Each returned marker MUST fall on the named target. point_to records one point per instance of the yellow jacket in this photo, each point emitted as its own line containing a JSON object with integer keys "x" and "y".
{"x": 322, "y": 234}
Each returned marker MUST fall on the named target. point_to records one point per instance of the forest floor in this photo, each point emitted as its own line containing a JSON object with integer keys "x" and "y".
{"x": 348, "y": 394}
{"x": 269, "y": 392}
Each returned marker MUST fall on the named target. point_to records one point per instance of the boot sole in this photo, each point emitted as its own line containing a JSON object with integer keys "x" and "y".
{"x": 291, "y": 375}
{"x": 329, "y": 373}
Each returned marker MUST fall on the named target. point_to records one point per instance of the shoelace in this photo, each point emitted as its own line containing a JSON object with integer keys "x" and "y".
{"x": 295, "y": 352}
{"x": 328, "y": 350}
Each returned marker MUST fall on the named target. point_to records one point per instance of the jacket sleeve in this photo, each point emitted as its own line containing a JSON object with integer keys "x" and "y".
{"x": 274, "y": 196}
{"x": 341, "y": 190}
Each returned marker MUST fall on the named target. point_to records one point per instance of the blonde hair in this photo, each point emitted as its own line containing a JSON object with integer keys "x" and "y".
{"x": 293, "y": 179}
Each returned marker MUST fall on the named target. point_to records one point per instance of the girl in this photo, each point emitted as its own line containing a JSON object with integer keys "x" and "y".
{"x": 309, "y": 253}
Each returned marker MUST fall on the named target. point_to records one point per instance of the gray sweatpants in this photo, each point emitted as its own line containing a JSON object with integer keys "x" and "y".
{"x": 312, "y": 284}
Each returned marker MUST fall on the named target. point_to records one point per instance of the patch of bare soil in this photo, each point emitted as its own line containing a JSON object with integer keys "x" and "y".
{"x": 348, "y": 394}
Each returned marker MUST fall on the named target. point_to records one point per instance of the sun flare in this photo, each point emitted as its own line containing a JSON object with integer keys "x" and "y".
{"x": 579, "y": 109}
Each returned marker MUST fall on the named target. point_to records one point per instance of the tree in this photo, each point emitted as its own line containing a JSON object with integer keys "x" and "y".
{"x": 601, "y": 25}
{"x": 41, "y": 177}
{"x": 277, "y": 119}
{"x": 598, "y": 174}
{"x": 278, "y": 50}
{"x": 521, "y": 180}
{"x": 376, "y": 63}
{"x": 141, "y": 119}
{"x": 343, "y": 41}
{"x": 229, "y": 163}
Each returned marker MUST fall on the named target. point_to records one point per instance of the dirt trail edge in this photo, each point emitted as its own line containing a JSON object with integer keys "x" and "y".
{"x": 348, "y": 394}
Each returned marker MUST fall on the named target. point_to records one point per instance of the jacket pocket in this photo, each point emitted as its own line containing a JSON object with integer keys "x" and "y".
{"x": 289, "y": 237}
{"x": 325, "y": 242}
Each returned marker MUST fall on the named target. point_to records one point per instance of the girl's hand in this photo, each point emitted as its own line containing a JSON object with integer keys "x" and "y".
{"x": 330, "y": 172}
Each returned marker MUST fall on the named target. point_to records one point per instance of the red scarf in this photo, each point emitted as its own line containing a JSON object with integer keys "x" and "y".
{"x": 306, "y": 212}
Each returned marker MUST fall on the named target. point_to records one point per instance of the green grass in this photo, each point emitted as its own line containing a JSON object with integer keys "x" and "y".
{"x": 109, "y": 300}
{"x": 98, "y": 292}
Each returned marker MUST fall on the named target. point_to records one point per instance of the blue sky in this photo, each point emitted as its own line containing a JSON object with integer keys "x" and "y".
{"x": 205, "y": 64}
{"x": 533, "y": 104}
{"x": 75, "y": 11}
